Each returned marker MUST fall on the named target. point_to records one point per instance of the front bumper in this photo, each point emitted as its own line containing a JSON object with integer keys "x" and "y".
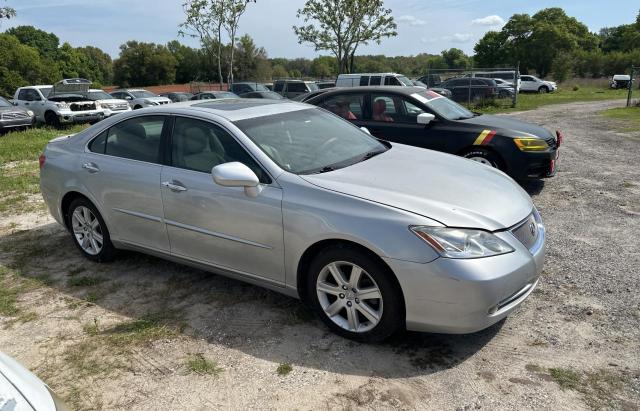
{"x": 18, "y": 122}
{"x": 70, "y": 117}
{"x": 458, "y": 296}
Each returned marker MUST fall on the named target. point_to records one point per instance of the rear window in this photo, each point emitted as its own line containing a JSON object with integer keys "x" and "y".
{"x": 364, "y": 80}
{"x": 296, "y": 88}
{"x": 278, "y": 86}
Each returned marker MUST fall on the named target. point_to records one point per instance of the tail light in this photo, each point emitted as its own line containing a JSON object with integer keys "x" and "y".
{"x": 41, "y": 160}
{"x": 559, "y": 138}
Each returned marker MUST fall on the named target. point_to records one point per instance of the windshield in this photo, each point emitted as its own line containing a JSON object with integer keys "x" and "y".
{"x": 99, "y": 95}
{"x": 313, "y": 86}
{"x": 5, "y": 103}
{"x": 310, "y": 141}
{"x": 46, "y": 91}
{"x": 143, "y": 94}
{"x": 444, "y": 107}
{"x": 405, "y": 81}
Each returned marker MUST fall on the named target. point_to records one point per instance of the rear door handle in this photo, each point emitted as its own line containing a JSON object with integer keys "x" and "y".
{"x": 174, "y": 186}
{"x": 91, "y": 167}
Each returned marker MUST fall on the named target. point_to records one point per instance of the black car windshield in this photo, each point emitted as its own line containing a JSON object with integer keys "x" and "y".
{"x": 143, "y": 94}
{"x": 5, "y": 103}
{"x": 405, "y": 81}
{"x": 310, "y": 141}
{"x": 99, "y": 95}
{"x": 444, "y": 107}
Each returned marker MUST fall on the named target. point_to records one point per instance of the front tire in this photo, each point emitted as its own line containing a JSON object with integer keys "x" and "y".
{"x": 543, "y": 90}
{"x": 484, "y": 156}
{"x": 355, "y": 295}
{"x": 52, "y": 119}
{"x": 89, "y": 231}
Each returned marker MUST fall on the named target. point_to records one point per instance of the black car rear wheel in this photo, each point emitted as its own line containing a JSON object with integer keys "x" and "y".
{"x": 484, "y": 156}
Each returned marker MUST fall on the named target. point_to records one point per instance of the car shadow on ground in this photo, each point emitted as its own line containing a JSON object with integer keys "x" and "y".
{"x": 222, "y": 311}
{"x": 533, "y": 187}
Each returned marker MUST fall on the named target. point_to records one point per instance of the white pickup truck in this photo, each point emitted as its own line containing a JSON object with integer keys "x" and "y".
{"x": 62, "y": 103}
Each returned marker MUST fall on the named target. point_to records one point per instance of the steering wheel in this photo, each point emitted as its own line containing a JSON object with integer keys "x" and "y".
{"x": 327, "y": 143}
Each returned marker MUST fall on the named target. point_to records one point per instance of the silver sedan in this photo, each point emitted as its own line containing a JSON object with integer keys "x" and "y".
{"x": 375, "y": 236}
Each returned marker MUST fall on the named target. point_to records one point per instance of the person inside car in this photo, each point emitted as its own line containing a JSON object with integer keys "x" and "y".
{"x": 379, "y": 108}
{"x": 342, "y": 109}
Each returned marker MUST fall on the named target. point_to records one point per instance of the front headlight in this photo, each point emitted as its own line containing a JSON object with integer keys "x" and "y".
{"x": 462, "y": 242}
{"x": 30, "y": 113}
{"x": 531, "y": 144}
{"x": 63, "y": 105}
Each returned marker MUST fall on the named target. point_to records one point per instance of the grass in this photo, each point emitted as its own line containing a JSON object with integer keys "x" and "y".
{"x": 19, "y": 173}
{"x": 565, "y": 94}
{"x": 284, "y": 369}
{"x": 85, "y": 281}
{"x": 198, "y": 364}
{"x": 151, "y": 327}
{"x": 629, "y": 117}
{"x": 566, "y": 378}
{"x": 601, "y": 389}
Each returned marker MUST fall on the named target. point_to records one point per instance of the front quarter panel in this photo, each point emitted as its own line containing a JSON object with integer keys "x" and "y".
{"x": 312, "y": 214}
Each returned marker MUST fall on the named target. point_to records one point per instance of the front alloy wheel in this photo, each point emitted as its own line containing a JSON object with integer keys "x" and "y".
{"x": 349, "y": 296}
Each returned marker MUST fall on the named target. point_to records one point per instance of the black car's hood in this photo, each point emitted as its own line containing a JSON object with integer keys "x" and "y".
{"x": 503, "y": 122}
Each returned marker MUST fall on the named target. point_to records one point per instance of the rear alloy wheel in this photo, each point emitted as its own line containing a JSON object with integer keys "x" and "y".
{"x": 485, "y": 157}
{"x": 354, "y": 296}
{"x": 89, "y": 231}
{"x": 543, "y": 89}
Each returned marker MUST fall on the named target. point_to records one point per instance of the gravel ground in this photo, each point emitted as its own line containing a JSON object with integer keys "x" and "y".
{"x": 120, "y": 335}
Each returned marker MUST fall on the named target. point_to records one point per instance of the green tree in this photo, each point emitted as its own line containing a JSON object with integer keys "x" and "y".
{"x": 278, "y": 71}
{"x": 233, "y": 11}
{"x": 455, "y": 58}
{"x": 144, "y": 64}
{"x": 21, "y": 65}
{"x": 252, "y": 60}
{"x": 191, "y": 64}
{"x": 341, "y": 26}
{"x": 98, "y": 64}
{"x": 490, "y": 50}
{"x": 324, "y": 67}
{"x": 46, "y": 43}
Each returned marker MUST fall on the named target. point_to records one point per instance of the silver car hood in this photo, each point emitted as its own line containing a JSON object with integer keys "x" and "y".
{"x": 20, "y": 388}
{"x": 155, "y": 99}
{"x": 452, "y": 190}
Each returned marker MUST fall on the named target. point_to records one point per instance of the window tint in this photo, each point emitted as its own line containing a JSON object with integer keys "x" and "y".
{"x": 98, "y": 144}
{"x": 364, "y": 80}
{"x": 29, "y": 95}
{"x": 137, "y": 139}
{"x": 278, "y": 86}
{"x": 296, "y": 87}
{"x": 526, "y": 78}
{"x": 391, "y": 81}
{"x": 375, "y": 80}
{"x": 347, "y": 106}
{"x": 394, "y": 109}
{"x": 198, "y": 145}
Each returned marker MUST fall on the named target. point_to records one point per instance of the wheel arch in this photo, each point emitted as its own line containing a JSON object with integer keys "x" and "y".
{"x": 504, "y": 164}
{"x": 312, "y": 251}
{"x": 66, "y": 201}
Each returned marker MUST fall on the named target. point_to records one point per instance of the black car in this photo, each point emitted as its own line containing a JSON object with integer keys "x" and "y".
{"x": 269, "y": 95}
{"x": 471, "y": 89}
{"x": 177, "y": 97}
{"x": 211, "y": 95}
{"x": 423, "y": 118}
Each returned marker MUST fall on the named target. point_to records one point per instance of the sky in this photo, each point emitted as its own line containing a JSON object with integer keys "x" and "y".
{"x": 423, "y": 26}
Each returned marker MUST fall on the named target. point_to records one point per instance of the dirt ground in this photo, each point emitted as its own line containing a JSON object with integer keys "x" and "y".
{"x": 143, "y": 333}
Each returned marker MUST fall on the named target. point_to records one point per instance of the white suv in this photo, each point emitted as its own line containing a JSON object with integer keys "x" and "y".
{"x": 62, "y": 103}
{"x": 533, "y": 83}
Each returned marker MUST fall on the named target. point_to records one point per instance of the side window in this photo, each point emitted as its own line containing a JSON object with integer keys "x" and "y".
{"x": 391, "y": 81}
{"x": 364, "y": 80}
{"x": 29, "y": 95}
{"x": 278, "y": 86}
{"x": 297, "y": 87}
{"x": 347, "y": 106}
{"x": 375, "y": 80}
{"x": 98, "y": 144}
{"x": 137, "y": 139}
{"x": 198, "y": 145}
{"x": 22, "y": 95}
{"x": 411, "y": 112}
{"x": 526, "y": 78}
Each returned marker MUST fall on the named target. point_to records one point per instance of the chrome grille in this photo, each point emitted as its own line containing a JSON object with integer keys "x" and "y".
{"x": 527, "y": 232}
{"x": 14, "y": 115}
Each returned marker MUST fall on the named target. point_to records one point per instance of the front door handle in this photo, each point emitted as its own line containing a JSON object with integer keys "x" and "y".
{"x": 174, "y": 186}
{"x": 91, "y": 167}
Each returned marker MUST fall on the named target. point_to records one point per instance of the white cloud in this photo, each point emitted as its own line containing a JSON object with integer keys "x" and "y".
{"x": 493, "y": 20}
{"x": 411, "y": 20}
{"x": 458, "y": 38}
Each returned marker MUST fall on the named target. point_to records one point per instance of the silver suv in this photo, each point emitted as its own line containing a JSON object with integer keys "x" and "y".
{"x": 139, "y": 98}
{"x": 293, "y": 88}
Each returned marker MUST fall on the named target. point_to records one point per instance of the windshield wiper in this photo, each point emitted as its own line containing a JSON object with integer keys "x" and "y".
{"x": 324, "y": 169}
{"x": 370, "y": 154}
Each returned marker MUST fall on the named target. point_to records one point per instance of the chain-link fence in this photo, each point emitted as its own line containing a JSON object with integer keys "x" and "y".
{"x": 632, "y": 76}
{"x": 477, "y": 87}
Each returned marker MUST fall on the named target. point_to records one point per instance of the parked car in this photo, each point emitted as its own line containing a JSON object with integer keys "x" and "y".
{"x": 372, "y": 79}
{"x": 465, "y": 89}
{"x": 139, "y": 98}
{"x": 439, "y": 90}
{"x": 413, "y": 116}
{"x": 270, "y": 95}
{"x": 431, "y": 80}
{"x": 505, "y": 89}
{"x": 21, "y": 390}
{"x": 533, "y": 83}
{"x": 247, "y": 87}
{"x": 375, "y": 236}
{"x": 509, "y": 76}
{"x": 12, "y": 117}
{"x": 177, "y": 97}
{"x": 62, "y": 103}
{"x": 109, "y": 104}
{"x": 212, "y": 95}
{"x": 269, "y": 86}
{"x": 620, "y": 81}
{"x": 306, "y": 96}
{"x": 325, "y": 84}
{"x": 293, "y": 88}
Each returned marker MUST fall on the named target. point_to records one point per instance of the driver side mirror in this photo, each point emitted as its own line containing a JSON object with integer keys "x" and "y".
{"x": 425, "y": 118}
{"x": 236, "y": 174}
{"x": 366, "y": 130}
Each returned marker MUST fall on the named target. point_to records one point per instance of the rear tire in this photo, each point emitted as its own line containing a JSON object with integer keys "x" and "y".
{"x": 543, "y": 90}
{"x": 89, "y": 231}
{"x": 355, "y": 295}
{"x": 52, "y": 119}
{"x": 484, "y": 156}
